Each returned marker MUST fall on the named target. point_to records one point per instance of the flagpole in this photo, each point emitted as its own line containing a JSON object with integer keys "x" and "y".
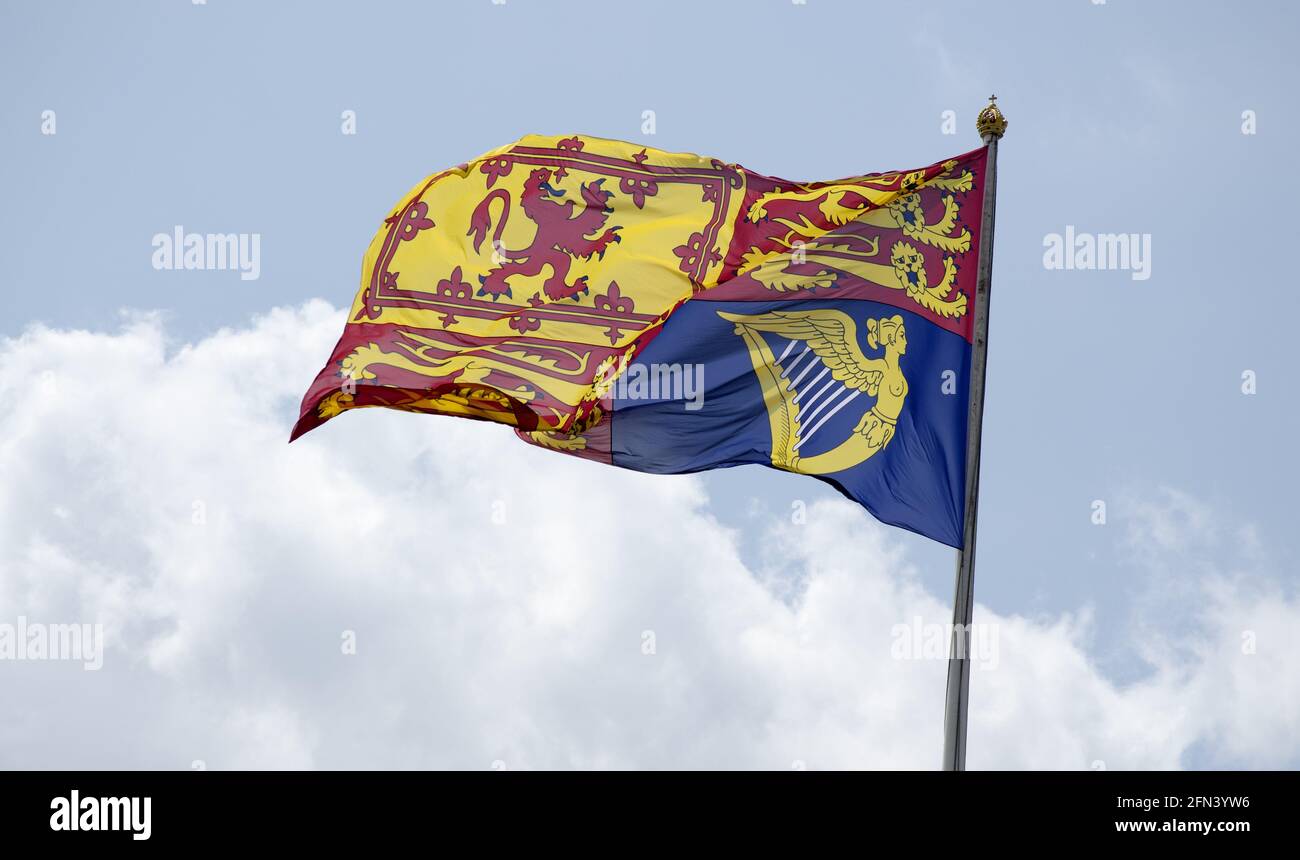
{"x": 991, "y": 125}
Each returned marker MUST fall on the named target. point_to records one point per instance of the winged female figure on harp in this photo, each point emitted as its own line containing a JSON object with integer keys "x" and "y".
{"x": 799, "y": 403}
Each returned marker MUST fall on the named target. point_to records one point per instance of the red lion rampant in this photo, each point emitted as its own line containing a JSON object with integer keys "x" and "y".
{"x": 561, "y": 236}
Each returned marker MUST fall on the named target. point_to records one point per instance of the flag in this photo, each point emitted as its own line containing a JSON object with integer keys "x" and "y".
{"x": 671, "y": 313}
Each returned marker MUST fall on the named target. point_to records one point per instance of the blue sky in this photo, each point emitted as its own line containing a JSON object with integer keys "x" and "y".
{"x": 1124, "y": 117}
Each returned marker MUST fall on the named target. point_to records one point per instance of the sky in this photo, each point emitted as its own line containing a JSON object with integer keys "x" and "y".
{"x": 314, "y": 606}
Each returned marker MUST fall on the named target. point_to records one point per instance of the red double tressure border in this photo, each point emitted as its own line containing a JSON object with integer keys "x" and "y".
{"x": 722, "y": 178}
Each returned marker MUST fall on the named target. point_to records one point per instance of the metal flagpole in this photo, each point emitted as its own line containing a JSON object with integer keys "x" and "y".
{"x": 991, "y": 125}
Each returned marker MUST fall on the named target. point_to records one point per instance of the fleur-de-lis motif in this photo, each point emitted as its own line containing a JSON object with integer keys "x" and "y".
{"x": 613, "y": 301}
{"x": 494, "y": 169}
{"x": 638, "y": 190}
{"x": 525, "y": 322}
{"x": 454, "y": 286}
{"x": 416, "y": 219}
{"x": 692, "y": 252}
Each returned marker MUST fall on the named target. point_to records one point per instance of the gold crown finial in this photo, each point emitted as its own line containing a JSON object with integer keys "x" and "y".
{"x": 991, "y": 122}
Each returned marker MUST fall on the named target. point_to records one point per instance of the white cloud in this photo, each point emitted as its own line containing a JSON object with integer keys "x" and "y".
{"x": 521, "y": 642}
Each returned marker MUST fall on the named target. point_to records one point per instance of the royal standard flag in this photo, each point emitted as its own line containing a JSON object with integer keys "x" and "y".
{"x": 670, "y": 313}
